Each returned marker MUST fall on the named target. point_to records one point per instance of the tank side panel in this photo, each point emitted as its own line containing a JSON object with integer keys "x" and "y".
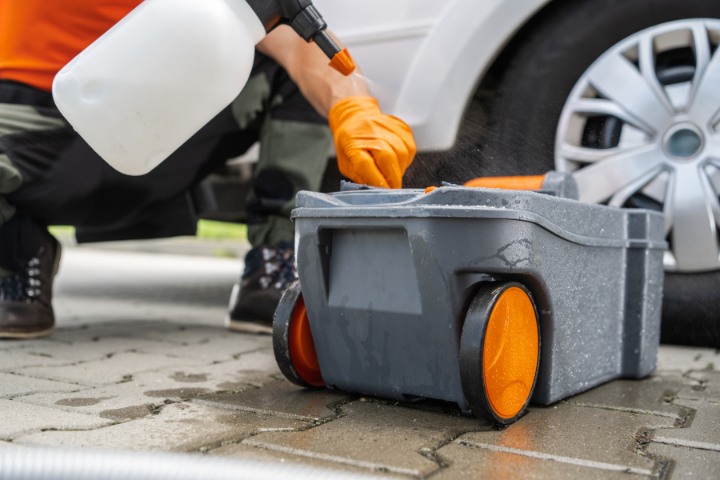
{"x": 375, "y": 331}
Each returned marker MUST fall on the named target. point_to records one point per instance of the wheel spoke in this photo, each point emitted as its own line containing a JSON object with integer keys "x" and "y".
{"x": 657, "y": 188}
{"x": 695, "y": 211}
{"x": 706, "y": 95}
{"x": 594, "y": 155}
{"x": 606, "y": 107}
{"x": 600, "y": 181}
{"x": 646, "y": 59}
{"x": 617, "y": 79}
{"x": 713, "y": 149}
{"x": 668, "y": 212}
{"x": 622, "y": 196}
{"x": 701, "y": 47}
{"x": 712, "y": 199}
{"x": 585, "y": 154}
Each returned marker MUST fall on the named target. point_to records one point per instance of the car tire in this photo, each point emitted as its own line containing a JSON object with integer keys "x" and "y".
{"x": 511, "y": 127}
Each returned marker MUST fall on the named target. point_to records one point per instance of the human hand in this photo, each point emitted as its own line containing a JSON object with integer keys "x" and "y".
{"x": 372, "y": 148}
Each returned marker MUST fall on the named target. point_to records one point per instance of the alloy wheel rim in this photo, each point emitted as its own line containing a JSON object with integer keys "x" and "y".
{"x": 641, "y": 127}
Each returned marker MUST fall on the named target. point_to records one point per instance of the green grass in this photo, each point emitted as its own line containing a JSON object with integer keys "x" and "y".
{"x": 207, "y": 229}
{"x": 210, "y": 229}
{"x": 61, "y": 231}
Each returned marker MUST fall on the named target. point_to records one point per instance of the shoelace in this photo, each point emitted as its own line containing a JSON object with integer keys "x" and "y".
{"x": 22, "y": 287}
{"x": 279, "y": 267}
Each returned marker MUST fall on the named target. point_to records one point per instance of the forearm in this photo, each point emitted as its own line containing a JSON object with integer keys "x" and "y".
{"x": 371, "y": 147}
{"x": 308, "y": 67}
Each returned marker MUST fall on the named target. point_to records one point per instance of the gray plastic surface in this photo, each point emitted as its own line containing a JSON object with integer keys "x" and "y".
{"x": 387, "y": 276}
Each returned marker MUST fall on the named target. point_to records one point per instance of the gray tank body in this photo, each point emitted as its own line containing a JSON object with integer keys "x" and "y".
{"x": 387, "y": 276}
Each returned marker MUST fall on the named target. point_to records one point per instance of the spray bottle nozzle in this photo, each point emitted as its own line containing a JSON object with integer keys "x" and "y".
{"x": 307, "y": 22}
{"x": 343, "y": 62}
{"x": 340, "y": 58}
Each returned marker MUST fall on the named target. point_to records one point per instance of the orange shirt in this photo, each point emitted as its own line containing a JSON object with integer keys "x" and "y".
{"x": 38, "y": 37}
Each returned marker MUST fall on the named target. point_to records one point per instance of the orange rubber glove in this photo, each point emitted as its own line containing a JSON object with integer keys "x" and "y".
{"x": 372, "y": 148}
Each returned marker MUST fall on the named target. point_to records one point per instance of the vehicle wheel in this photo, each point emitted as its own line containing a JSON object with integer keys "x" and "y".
{"x": 500, "y": 352}
{"x": 292, "y": 340}
{"x": 624, "y": 94}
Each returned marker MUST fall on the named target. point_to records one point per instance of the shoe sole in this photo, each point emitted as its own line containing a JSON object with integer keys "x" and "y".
{"x": 38, "y": 333}
{"x": 25, "y": 335}
{"x": 247, "y": 326}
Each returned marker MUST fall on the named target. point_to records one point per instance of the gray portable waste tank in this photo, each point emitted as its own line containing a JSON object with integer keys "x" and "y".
{"x": 394, "y": 288}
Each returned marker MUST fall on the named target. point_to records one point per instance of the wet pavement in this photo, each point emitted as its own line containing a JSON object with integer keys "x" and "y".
{"x": 140, "y": 361}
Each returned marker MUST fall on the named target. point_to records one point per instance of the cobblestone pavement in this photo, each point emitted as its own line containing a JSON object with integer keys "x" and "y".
{"x": 140, "y": 361}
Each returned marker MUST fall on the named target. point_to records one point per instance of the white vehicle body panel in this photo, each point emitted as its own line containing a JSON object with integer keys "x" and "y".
{"x": 424, "y": 58}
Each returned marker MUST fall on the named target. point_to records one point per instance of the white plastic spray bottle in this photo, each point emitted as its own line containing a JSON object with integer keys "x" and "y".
{"x": 160, "y": 74}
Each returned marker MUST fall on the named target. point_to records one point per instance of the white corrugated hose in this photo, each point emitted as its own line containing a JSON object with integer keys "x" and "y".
{"x": 30, "y": 463}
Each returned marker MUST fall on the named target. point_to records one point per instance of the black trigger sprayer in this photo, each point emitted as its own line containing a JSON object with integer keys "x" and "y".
{"x": 307, "y": 22}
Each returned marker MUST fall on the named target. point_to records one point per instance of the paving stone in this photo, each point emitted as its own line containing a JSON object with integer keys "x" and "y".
{"x": 177, "y": 427}
{"x": 255, "y": 368}
{"x": 708, "y": 386}
{"x": 20, "y": 419}
{"x": 146, "y": 391}
{"x": 96, "y": 330}
{"x": 250, "y": 453}
{"x": 99, "y": 311}
{"x": 196, "y": 334}
{"x": 12, "y": 385}
{"x": 375, "y": 436}
{"x": 18, "y": 358}
{"x": 651, "y": 396}
{"x": 591, "y": 437}
{"x": 157, "y": 330}
{"x": 685, "y": 359}
{"x": 9, "y": 344}
{"x": 223, "y": 346}
{"x": 86, "y": 344}
{"x": 116, "y": 369}
{"x": 114, "y": 401}
{"x": 702, "y": 432}
{"x": 464, "y": 462}
{"x": 280, "y": 398}
{"x": 92, "y": 348}
{"x": 686, "y": 462}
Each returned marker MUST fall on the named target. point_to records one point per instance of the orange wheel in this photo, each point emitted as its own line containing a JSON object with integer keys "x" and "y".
{"x": 500, "y": 352}
{"x": 293, "y": 342}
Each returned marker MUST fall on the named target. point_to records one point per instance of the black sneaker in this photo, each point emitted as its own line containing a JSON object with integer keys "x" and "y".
{"x": 268, "y": 272}
{"x": 26, "y": 297}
